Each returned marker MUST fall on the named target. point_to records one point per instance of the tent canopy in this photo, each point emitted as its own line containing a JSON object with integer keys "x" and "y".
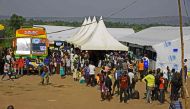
{"x": 78, "y": 32}
{"x": 101, "y": 39}
{"x": 87, "y": 35}
{"x": 154, "y": 35}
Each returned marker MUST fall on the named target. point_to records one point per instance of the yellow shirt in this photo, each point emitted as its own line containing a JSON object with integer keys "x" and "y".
{"x": 150, "y": 80}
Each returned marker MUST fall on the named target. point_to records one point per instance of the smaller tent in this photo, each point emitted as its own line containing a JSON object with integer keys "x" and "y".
{"x": 101, "y": 39}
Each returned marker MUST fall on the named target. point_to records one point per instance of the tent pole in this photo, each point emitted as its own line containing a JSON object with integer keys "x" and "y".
{"x": 182, "y": 54}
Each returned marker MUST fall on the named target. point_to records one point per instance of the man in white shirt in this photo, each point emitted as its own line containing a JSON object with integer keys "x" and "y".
{"x": 92, "y": 73}
{"x": 131, "y": 77}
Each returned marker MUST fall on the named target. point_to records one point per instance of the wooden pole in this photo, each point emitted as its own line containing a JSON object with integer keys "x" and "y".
{"x": 182, "y": 52}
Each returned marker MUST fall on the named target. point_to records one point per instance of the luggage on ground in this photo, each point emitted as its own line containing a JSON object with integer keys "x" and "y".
{"x": 135, "y": 95}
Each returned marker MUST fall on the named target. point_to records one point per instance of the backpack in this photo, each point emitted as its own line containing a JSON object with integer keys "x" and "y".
{"x": 176, "y": 105}
{"x": 123, "y": 82}
{"x": 135, "y": 95}
{"x": 145, "y": 64}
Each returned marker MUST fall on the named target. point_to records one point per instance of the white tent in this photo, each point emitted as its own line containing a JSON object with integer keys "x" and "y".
{"x": 154, "y": 35}
{"x": 82, "y": 33}
{"x": 79, "y": 32}
{"x": 87, "y": 35}
{"x": 101, "y": 39}
{"x": 169, "y": 53}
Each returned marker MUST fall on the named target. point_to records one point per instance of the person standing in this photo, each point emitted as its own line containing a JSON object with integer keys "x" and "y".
{"x": 117, "y": 76}
{"x": 108, "y": 85}
{"x": 185, "y": 69}
{"x": 141, "y": 69}
{"x": 176, "y": 84}
{"x": 161, "y": 88}
{"x": 6, "y": 70}
{"x": 150, "y": 81}
{"x": 86, "y": 74}
{"x": 68, "y": 66}
{"x": 124, "y": 84}
{"x": 62, "y": 71}
{"x": 131, "y": 77}
{"x": 20, "y": 65}
{"x": 75, "y": 63}
{"x": 92, "y": 73}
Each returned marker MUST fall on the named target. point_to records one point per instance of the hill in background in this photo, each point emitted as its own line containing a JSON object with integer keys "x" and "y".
{"x": 165, "y": 20}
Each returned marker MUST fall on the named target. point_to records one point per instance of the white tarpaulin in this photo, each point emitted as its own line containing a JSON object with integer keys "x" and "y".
{"x": 169, "y": 53}
{"x": 101, "y": 39}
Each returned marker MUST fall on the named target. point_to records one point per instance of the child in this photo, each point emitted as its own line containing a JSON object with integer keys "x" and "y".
{"x": 7, "y": 71}
{"x": 82, "y": 80}
{"x": 45, "y": 75}
{"x": 62, "y": 72}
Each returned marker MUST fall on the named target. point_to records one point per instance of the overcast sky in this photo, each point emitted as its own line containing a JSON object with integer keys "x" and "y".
{"x": 81, "y": 8}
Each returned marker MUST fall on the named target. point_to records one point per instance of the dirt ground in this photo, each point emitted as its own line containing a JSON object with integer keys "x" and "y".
{"x": 27, "y": 93}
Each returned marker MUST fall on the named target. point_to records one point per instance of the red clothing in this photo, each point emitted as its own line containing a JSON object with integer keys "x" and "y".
{"x": 20, "y": 63}
{"x": 162, "y": 82}
{"x": 123, "y": 82}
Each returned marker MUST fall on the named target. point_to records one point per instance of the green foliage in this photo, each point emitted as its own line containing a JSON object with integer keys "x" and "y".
{"x": 16, "y": 21}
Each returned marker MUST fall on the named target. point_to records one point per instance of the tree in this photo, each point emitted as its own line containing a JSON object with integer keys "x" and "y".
{"x": 16, "y": 22}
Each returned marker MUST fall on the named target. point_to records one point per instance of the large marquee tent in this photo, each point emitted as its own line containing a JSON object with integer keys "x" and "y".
{"x": 101, "y": 39}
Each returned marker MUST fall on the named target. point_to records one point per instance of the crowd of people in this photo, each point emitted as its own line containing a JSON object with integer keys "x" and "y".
{"x": 118, "y": 73}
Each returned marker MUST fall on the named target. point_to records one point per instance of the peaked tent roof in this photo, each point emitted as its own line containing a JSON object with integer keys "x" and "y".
{"x": 87, "y": 35}
{"x": 78, "y": 32}
{"x": 85, "y": 29}
{"x": 101, "y": 39}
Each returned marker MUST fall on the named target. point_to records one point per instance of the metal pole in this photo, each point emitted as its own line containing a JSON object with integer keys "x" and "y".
{"x": 182, "y": 52}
